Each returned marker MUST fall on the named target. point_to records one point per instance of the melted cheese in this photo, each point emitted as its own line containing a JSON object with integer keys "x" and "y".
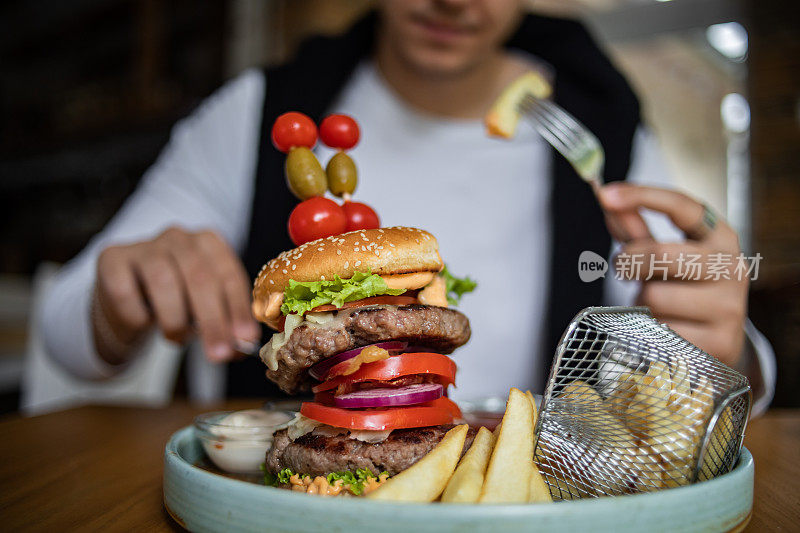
{"x": 415, "y": 280}
{"x": 435, "y": 293}
{"x": 302, "y": 425}
{"x": 269, "y": 351}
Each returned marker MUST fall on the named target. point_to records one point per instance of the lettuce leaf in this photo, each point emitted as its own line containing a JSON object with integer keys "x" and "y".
{"x": 354, "y": 481}
{"x": 303, "y": 296}
{"x": 457, "y": 287}
{"x": 284, "y": 475}
{"x": 269, "y": 479}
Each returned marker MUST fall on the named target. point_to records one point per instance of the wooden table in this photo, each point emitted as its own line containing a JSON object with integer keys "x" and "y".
{"x": 100, "y": 468}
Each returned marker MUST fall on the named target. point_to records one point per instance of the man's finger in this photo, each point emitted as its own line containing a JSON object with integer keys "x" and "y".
{"x": 118, "y": 290}
{"x": 164, "y": 290}
{"x": 627, "y": 226}
{"x": 687, "y": 261}
{"x": 235, "y": 284}
{"x": 696, "y": 302}
{"x": 685, "y": 212}
{"x": 206, "y": 300}
{"x": 721, "y": 343}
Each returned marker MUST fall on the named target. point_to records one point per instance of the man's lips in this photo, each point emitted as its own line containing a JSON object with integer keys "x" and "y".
{"x": 441, "y": 31}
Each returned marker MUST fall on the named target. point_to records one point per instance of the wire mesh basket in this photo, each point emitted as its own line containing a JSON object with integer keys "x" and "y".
{"x": 631, "y": 407}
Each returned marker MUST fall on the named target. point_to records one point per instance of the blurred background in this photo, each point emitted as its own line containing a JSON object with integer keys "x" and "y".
{"x": 90, "y": 88}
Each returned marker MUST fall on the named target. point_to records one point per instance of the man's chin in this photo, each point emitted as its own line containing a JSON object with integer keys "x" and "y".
{"x": 441, "y": 64}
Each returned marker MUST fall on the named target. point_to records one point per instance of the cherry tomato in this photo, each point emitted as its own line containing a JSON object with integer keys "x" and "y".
{"x": 316, "y": 218}
{"x": 406, "y": 364}
{"x": 441, "y": 411}
{"x": 339, "y": 131}
{"x": 293, "y": 129}
{"x": 360, "y": 216}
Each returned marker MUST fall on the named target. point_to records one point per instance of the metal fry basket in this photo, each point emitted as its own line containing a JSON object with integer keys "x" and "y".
{"x": 631, "y": 407}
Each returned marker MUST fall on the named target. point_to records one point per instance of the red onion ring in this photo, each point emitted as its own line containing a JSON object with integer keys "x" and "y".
{"x": 319, "y": 370}
{"x": 390, "y": 397}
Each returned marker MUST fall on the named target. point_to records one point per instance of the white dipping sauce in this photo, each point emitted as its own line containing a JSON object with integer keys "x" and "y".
{"x": 244, "y": 438}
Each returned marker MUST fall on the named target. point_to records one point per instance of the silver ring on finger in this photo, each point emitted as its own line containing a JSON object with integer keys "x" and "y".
{"x": 706, "y": 225}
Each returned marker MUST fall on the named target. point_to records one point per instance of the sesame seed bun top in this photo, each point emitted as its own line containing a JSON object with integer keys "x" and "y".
{"x": 385, "y": 251}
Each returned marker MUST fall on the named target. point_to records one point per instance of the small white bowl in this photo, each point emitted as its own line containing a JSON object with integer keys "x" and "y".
{"x": 237, "y": 441}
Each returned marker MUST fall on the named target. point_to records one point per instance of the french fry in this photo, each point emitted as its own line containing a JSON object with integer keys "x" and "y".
{"x": 627, "y": 384}
{"x": 509, "y": 472}
{"x": 599, "y": 413}
{"x": 718, "y": 444}
{"x": 580, "y": 390}
{"x": 533, "y": 406}
{"x": 465, "y": 484}
{"x": 427, "y": 478}
{"x": 677, "y": 441}
{"x": 539, "y": 492}
{"x": 649, "y": 405}
{"x": 681, "y": 386}
{"x": 643, "y": 464}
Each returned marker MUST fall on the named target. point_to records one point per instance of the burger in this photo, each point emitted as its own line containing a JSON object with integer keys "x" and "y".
{"x": 363, "y": 322}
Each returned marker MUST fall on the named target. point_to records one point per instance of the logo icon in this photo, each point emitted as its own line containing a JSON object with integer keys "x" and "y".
{"x": 591, "y": 266}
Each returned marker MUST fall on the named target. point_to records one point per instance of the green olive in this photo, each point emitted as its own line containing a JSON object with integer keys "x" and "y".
{"x": 304, "y": 174}
{"x": 342, "y": 174}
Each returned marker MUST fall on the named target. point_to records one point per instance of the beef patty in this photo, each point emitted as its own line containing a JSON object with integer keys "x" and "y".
{"x": 319, "y": 455}
{"x": 438, "y": 328}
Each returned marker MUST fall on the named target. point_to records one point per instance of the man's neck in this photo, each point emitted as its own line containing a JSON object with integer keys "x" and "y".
{"x": 466, "y": 95}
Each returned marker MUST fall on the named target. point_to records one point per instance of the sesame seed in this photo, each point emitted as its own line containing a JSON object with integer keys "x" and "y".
{"x": 363, "y": 248}
{"x": 347, "y": 264}
{"x": 271, "y": 282}
{"x": 338, "y": 252}
{"x": 358, "y": 263}
{"x": 285, "y": 271}
{"x": 294, "y": 266}
{"x": 322, "y": 278}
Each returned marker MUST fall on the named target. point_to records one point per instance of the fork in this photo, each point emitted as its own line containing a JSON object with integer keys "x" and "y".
{"x": 571, "y": 138}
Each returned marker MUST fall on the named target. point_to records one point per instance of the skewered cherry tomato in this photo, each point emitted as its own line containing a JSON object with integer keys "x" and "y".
{"x": 360, "y": 216}
{"x": 316, "y": 218}
{"x": 339, "y": 131}
{"x": 293, "y": 129}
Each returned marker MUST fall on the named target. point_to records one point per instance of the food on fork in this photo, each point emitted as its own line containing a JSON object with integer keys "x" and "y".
{"x": 502, "y": 118}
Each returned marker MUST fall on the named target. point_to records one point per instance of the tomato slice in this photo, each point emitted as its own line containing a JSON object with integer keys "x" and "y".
{"x": 440, "y": 411}
{"x": 397, "y": 366}
{"x": 403, "y": 299}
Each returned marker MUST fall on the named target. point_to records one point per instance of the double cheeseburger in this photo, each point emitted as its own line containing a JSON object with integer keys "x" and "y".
{"x": 363, "y": 323}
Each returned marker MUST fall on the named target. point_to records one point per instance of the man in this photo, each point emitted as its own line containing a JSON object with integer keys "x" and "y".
{"x": 511, "y": 214}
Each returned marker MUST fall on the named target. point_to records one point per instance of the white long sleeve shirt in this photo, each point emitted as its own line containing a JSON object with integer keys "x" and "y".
{"x": 486, "y": 200}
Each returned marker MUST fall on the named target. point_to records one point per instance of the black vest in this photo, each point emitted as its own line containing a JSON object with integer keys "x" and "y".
{"x": 586, "y": 84}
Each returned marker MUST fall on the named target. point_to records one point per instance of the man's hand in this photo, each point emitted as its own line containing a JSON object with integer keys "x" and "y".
{"x": 710, "y": 313}
{"x": 183, "y": 282}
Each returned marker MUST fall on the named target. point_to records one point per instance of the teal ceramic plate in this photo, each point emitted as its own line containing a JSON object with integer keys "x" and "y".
{"x": 203, "y": 501}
